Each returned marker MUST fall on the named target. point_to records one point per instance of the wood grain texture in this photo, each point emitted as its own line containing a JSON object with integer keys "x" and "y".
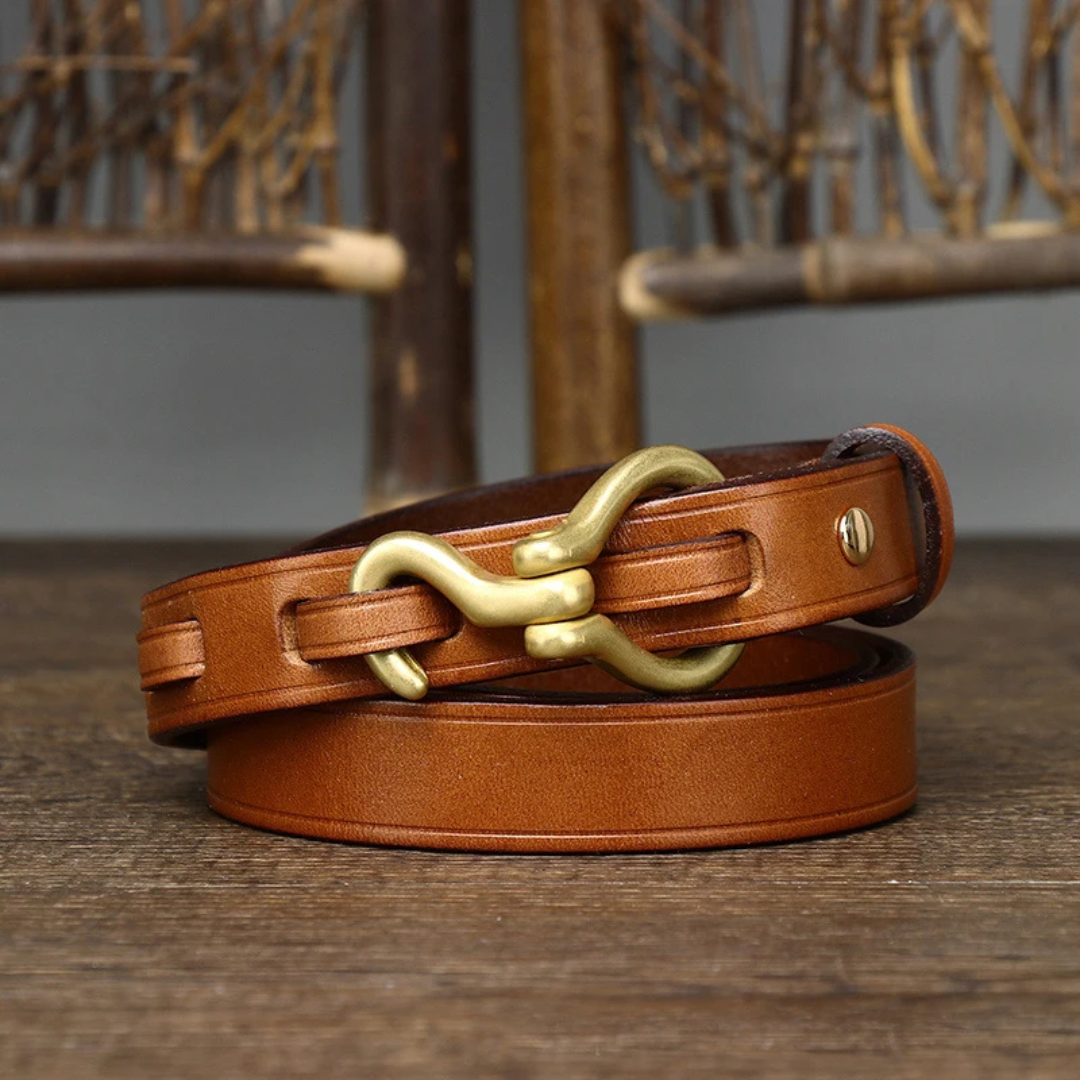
{"x": 142, "y": 936}
{"x": 418, "y": 162}
{"x": 584, "y": 359}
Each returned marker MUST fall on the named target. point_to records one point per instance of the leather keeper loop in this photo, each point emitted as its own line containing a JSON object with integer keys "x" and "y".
{"x": 931, "y": 511}
{"x": 171, "y": 654}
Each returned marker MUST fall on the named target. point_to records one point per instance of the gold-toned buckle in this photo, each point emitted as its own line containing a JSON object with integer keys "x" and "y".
{"x": 552, "y": 594}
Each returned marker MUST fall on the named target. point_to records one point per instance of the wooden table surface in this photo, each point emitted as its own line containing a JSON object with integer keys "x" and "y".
{"x": 142, "y": 936}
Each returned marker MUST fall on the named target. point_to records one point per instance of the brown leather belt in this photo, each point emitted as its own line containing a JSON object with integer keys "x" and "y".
{"x": 277, "y": 667}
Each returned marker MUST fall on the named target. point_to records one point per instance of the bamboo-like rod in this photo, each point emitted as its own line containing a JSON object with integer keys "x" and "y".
{"x": 121, "y": 156}
{"x": 795, "y": 201}
{"x": 713, "y": 134}
{"x": 1036, "y": 44}
{"x": 1055, "y": 109}
{"x": 77, "y": 106}
{"x": 901, "y": 34}
{"x": 886, "y": 132}
{"x": 46, "y": 120}
{"x": 972, "y": 131}
{"x": 683, "y": 217}
{"x": 755, "y": 173}
{"x": 657, "y": 285}
{"x": 926, "y": 50}
{"x": 1048, "y": 180}
{"x": 338, "y": 260}
{"x": 185, "y": 152}
{"x": 323, "y": 137}
{"x": 843, "y": 143}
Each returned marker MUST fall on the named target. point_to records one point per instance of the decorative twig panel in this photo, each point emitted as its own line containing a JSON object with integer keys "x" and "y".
{"x": 811, "y": 153}
{"x": 190, "y": 115}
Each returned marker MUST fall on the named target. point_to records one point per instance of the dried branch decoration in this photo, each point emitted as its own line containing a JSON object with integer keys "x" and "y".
{"x": 856, "y": 71}
{"x": 205, "y": 115}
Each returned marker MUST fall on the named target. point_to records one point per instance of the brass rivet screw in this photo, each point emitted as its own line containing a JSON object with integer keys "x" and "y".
{"x": 855, "y": 532}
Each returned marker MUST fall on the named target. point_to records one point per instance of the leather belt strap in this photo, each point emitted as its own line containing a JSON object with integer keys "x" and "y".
{"x": 812, "y": 732}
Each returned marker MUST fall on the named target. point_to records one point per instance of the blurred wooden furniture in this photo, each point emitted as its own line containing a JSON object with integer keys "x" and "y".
{"x": 854, "y": 163}
{"x": 140, "y": 935}
{"x": 584, "y": 368}
{"x": 162, "y": 143}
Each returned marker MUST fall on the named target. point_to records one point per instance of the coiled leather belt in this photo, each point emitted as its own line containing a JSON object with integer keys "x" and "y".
{"x": 339, "y": 696}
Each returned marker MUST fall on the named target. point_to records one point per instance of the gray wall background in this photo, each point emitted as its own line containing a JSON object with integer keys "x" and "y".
{"x": 241, "y": 413}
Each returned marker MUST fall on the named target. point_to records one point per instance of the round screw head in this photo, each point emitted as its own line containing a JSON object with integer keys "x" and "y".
{"x": 855, "y": 531}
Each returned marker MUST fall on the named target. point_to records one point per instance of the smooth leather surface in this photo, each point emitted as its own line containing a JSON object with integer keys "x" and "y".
{"x": 812, "y": 732}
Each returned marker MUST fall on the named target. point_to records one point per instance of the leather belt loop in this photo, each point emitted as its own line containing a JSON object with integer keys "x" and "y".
{"x": 171, "y": 653}
{"x": 931, "y": 510}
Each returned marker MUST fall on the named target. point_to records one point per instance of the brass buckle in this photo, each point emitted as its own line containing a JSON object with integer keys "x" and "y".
{"x": 552, "y": 594}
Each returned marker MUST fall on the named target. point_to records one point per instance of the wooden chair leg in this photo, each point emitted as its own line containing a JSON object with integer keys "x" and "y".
{"x": 584, "y": 360}
{"x": 419, "y": 191}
